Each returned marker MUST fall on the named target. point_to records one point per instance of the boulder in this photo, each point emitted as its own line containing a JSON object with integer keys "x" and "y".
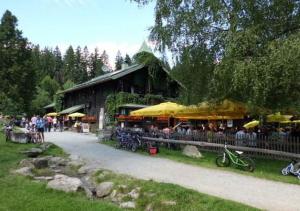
{"x": 104, "y": 189}
{"x": 26, "y": 163}
{"x": 191, "y": 151}
{"x": 33, "y": 152}
{"x": 58, "y": 161}
{"x": 65, "y": 183}
{"x": 40, "y": 163}
{"x": 45, "y": 146}
{"x": 128, "y": 205}
{"x": 89, "y": 189}
{"x": 25, "y": 171}
{"x": 43, "y": 178}
{"x": 134, "y": 194}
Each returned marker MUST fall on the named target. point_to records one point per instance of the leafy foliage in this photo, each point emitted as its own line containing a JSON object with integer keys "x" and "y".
{"x": 113, "y": 101}
{"x": 244, "y": 50}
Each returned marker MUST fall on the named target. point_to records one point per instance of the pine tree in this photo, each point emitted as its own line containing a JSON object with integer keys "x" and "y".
{"x": 58, "y": 68}
{"x": 96, "y": 64}
{"x": 128, "y": 60}
{"x": 69, "y": 65}
{"x": 16, "y": 71}
{"x": 104, "y": 58}
{"x": 118, "y": 61}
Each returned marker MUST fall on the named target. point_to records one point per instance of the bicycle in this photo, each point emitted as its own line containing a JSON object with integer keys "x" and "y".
{"x": 239, "y": 160}
{"x": 291, "y": 169}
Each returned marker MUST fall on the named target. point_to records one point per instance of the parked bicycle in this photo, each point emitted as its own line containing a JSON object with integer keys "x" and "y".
{"x": 293, "y": 168}
{"x": 237, "y": 158}
{"x": 128, "y": 140}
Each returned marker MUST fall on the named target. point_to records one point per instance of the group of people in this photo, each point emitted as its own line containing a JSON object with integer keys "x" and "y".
{"x": 37, "y": 125}
{"x": 211, "y": 131}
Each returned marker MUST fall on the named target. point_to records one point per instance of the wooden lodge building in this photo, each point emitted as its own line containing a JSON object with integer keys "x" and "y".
{"x": 90, "y": 97}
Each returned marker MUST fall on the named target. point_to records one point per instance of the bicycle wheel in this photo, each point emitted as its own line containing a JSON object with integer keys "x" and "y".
{"x": 285, "y": 171}
{"x": 222, "y": 161}
{"x": 250, "y": 165}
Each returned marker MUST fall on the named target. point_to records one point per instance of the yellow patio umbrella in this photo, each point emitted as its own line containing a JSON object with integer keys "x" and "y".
{"x": 167, "y": 109}
{"x": 77, "y": 114}
{"x": 52, "y": 114}
{"x": 251, "y": 124}
{"x": 205, "y": 110}
{"x": 278, "y": 117}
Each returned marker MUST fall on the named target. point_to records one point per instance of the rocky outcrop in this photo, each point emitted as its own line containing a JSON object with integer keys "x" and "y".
{"x": 191, "y": 151}
{"x": 25, "y": 171}
{"x": 128, "y": 205}
{"x": 33, "y": 152}
{"x": 104, "y": 189}
{"x": 65, "y": 183}
{"x": 40, "y": 163}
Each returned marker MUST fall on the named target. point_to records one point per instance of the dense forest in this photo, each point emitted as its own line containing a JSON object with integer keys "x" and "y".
{"x": 247, "y": 51}
{"x": 30, "y": 76}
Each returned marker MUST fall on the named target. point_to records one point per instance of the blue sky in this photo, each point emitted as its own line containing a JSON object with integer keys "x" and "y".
{"x": 108, "y": 24}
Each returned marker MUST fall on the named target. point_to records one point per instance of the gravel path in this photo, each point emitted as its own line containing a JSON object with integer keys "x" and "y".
{"x": 256, "y": 192}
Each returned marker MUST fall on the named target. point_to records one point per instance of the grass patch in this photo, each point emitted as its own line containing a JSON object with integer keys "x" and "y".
{"x": 265, "y": 168}
{"x": 155, "y": 193}
{"x": 21, "y": 193}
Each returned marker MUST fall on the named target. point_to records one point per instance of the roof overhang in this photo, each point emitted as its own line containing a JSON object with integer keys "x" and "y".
{"x": 72, "y": 109}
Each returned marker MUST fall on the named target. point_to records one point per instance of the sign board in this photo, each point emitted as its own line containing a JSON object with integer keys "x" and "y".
{"x": 229, "y": 123}
{"x": 85, "y": 127}
{"x": 101, "y": 119}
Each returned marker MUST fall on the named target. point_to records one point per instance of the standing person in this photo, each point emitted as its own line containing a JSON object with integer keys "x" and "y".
{"x": 49, "y": 123}
{"x": 40, "y": 124}
{"x": 33, "y": 120}
{"x": 54, "y": 123}
{"x": 46, "y": 123}
{"x": 61, "y": 124}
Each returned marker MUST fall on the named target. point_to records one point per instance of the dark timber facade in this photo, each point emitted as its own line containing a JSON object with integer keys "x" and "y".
{"x": 133, "y": 79}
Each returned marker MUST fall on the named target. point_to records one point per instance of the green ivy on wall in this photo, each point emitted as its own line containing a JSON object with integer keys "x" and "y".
{"x": 113, "y": 101}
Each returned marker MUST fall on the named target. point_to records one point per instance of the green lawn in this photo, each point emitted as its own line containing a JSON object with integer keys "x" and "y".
{"x": 21, "y": 193}
{"x": 154, "y": 193}
{"x": 265, "y": 168}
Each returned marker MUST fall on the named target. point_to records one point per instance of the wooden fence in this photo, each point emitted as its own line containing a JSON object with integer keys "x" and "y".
{"x": 281, "y": 147}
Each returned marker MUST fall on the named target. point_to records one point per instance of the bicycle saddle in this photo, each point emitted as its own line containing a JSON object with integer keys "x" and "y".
{"x": 239, "y": 152}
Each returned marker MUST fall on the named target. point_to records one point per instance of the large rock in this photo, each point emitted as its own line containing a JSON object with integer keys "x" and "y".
{"x": 25, "y": 171}
{"x": 26, "y": 163}
{"x": 33, "y": 152}
{"x": 43, "y": 178}
{"x": 128, "y": 205}
{"x": 40, "y": 163}
{"x": 58, "y": 161}
{"x": 191, "y": 151}
{"x": 45, "y": 146}
{"x": 88, "y": 187}
{"x": 104, "y": 189}
{"x": 65, "y": 183}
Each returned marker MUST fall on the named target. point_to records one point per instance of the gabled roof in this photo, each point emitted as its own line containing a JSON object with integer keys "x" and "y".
{"x": 52, "y": 105}
{"x": 72, "y": 109}
{"x": 106, "y": 77}
{"x": 113, "y": 76}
